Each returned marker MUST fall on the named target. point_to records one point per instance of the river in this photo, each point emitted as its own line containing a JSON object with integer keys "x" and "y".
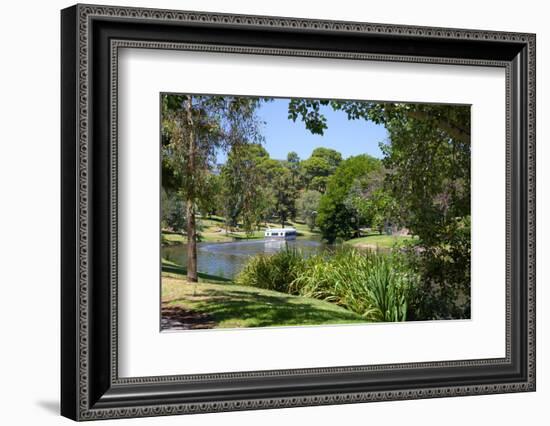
{"x": 227, "y": 259}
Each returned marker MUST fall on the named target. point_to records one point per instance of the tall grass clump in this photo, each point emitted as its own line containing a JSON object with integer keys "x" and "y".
{"x": 273, "y": 271}
{"x": 377, "y": 286}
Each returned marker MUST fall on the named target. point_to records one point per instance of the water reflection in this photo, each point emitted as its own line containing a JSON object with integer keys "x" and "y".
{"x": 227, "y": 259}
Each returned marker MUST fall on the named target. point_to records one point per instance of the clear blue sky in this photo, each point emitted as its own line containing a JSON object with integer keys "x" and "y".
{"x": 349, "y": 137}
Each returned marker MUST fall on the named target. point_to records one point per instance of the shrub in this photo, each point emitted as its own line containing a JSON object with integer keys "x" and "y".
{"x": 272, "y": 272}
{"x": 376, "y": 286}
{"x": 444, "y": 269}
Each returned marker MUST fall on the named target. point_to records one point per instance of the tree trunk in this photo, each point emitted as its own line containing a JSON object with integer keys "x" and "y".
{"x": 191, "y": 242}
{"x": 190, "y": 202}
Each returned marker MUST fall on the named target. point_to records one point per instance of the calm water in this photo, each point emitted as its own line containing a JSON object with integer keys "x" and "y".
{"x": 227, "y": 259}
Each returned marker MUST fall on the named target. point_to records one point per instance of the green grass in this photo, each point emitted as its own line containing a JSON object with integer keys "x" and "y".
{"x": 303, "y": 230}
{"x": 209, "y": 236}
{"x": 375, "y": 241}
{"x": 172, "y": 238}
{"x": 233, "y": 306}
{"x": 213, "y": 231}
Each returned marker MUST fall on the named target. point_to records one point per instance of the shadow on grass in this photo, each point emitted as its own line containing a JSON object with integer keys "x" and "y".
{"x": 248, "y": 308}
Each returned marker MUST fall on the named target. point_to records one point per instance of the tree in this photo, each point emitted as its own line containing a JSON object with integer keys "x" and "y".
{"x": 318, "y": 167}
{"x": 243, "y": 192}
{"x": 173, "y": 211}
{"x": 428, "y": 163}
{"x": 428, "y": 157}
{"x": 373, "y": 204}
{"x": 308, "y": 206}
{"x": 293, "y": 164}
{"x": 335, "y": 219}
{"x": 194, "y": 128}
{"x": 315, "y": 171}
{"x": 331, "y": 156}
{"x": 453, "y": 120}
{"x": 284, "y": 194}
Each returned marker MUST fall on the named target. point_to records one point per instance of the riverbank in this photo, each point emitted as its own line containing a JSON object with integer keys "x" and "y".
{"x": 216, "y": 302}
{"x": 379, "y": 241}
{"x": 213, "y": 231}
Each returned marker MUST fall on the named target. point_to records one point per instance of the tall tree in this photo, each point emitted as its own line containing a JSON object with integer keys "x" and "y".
{"x": 316, "y": 171}
{"x": 194, "y": 128}
{"x": 285, "y": 195}
{"x": 318, "y": 167}
{"x": 335, "y": 217}
{"x": 372, "y": 202}
{"x": 243, "y": 192}
{"x": 293, "y": 162}
{"x": 331, "y": 156}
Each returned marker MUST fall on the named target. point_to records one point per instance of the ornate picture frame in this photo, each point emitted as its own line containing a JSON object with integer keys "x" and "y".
{"x": 91, "y": 37}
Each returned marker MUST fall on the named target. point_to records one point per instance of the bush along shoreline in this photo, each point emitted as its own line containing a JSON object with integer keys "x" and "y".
{"x": 380, "y": 287}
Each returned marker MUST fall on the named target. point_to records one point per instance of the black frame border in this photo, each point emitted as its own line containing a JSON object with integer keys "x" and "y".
{"x": 90, "y": 387}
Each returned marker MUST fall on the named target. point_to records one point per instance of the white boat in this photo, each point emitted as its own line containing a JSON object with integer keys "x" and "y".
{"x": 280, "y": 233}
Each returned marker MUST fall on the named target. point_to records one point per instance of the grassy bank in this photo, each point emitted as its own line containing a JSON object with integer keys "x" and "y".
{"x": 170, "y": 238}
{"x": 376, "y": 286}
{"x": 375, "y": 241}
{"x": 216, "y": 302}
{"x": 213, "y": 231}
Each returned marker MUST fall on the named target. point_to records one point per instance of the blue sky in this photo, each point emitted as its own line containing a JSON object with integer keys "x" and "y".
{"x": 349, "y": 137}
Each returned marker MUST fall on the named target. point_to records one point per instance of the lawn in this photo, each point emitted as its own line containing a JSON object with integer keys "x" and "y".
{"x": 218, "y": 303}
{"x": 375, "y": 241}
{"x": 210, "y": 235}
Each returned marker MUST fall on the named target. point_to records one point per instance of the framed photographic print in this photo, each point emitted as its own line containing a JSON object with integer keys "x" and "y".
{"x": 263, "y": 212}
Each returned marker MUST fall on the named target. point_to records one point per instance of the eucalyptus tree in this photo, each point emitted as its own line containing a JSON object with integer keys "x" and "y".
{"x": 194, "y": 129}
{"x": 243, "y": 186}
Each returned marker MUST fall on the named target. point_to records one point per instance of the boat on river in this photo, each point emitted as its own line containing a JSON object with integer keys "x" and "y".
{"x": 280, "y": 234}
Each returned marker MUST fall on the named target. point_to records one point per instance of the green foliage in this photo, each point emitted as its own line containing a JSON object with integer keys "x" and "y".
{"x": 451, "y": 120}
{"x": 172, "y": 212}
{"x": 426, "y": 188}
{"x": 445, "y": 271}
{"x": 308, "y": 206}
{"x": 272, "y": 272}
{"x": 315, "y": 172}
{"x": 331, "y": 156}
{"x": 372, "y": 203}
{"x": 194, "y": 128}
{"x": 318, "y": 167}
{"x": 242, "y": 194}
{"x": 335, "y": 218}
{"x": 377, "y": 287}
{"x": 212, "y": 202}
{"x": 293, "y": 164}
{"x": 430, "y": 177}
{"x": 284, "y": 194}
